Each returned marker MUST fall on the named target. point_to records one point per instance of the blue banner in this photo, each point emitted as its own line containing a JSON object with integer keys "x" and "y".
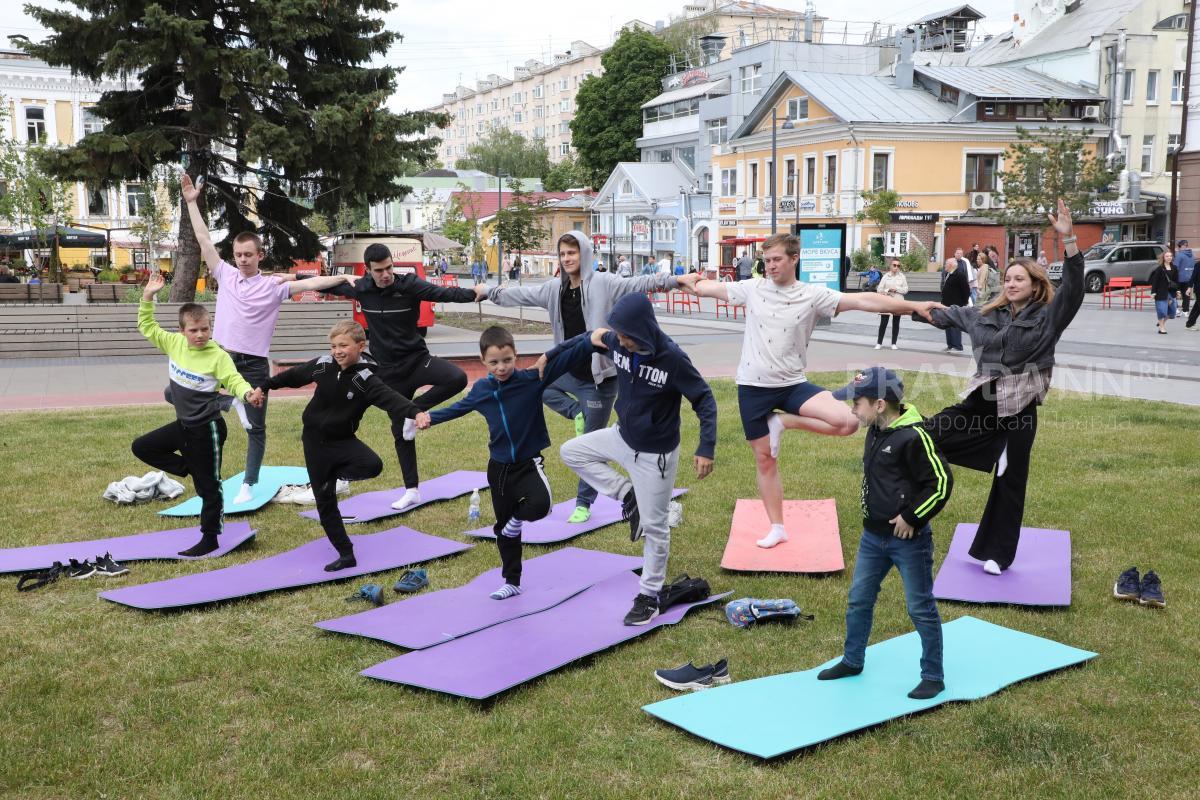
{"x": 821, "y": 257}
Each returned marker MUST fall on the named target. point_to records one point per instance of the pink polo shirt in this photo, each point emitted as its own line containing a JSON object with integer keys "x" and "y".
{"x": 247, "y": 309}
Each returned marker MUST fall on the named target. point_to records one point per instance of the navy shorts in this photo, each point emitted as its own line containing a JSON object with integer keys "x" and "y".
{"x": 756, "y": 403}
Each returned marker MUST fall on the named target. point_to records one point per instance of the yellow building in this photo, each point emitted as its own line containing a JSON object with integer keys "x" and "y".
{"x": 935, "y": 135}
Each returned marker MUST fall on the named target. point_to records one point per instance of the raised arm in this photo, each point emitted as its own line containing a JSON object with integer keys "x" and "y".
{"x": 191, "y": 194}
{"x": 1069, "y": 297}
{"x": 147, "y": 325}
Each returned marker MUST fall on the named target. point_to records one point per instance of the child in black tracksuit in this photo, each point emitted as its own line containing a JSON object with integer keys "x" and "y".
{"x": 346, "y": 387}
{"x": 905, "y": 484}
{"x": 510, "y": 399}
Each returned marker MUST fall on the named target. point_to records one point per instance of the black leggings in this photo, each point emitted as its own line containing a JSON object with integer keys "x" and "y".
{"x": 519, "y": 491}
{"x": 883, "y": 321}
{"x": 444, "y": 381}
{"x": 330, "y": 459}
{"x": 970, "y": 435}
{"x": 190, "y": 450}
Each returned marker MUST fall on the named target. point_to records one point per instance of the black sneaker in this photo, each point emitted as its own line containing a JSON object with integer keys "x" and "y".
{"x": 645, "y": 608}
{"x": 77, "y": 570}
{"x": 1151, "y": 591}
{"x": 105, "y": 565}
{"x": 693, "y": 678}
{"x": 629, "y": 511}
{"x": 1128, "y": 585}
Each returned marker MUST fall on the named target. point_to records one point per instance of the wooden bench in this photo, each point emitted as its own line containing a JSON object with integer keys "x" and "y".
{"x": 106, "y": 292}
{"x": 75, "y": 284}
{"x": 31, "y": 292}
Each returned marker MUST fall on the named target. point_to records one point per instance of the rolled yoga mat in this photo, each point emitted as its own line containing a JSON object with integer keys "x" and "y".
{"x": 138, "y": 547}
{"x": 370, "y": 506}
{"x": 814, "y": 543}
{"x": 436, "y": 617}
{"x": 303, "y": 566}
{"x": 270, "y": 481}
{"x": 1040, "y": 574}
{"x": 769, "y": 717}
{"x": 498, "y": 658}
{"x": 554, "y": 527}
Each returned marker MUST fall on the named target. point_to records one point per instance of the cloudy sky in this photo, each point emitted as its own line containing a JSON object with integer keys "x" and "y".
{"x": 447, "y": 42}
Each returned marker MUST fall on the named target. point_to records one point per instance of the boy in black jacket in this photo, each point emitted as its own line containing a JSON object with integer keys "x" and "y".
{"x": 346, "y": 387}
{"x": 510, "y": 399}
{"x": 905, "y": 483}
{"x": 653, "y": 376}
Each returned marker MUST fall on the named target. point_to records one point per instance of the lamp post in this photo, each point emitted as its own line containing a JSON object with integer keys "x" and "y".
{"x": 632, "y": 220}
{"x": 499, "y": 244}
{"x": 653, "y": 214}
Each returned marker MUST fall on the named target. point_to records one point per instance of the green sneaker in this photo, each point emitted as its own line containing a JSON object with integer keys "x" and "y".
{"x": 580, "y": 514}
{"x": 579, "y": 425}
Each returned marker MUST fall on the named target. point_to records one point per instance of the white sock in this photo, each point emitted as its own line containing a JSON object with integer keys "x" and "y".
{"x": 410, "y": 430}
{"x": 506, "y": 591}
{"x": 245, "y": 495}
{"x": 775, "y": 432}
{"x": 512, "y": 529}
{"x": 1002, "y": 462}
{"x": 240, "y": 408}
{"x": 410, "y": 498}
{"x": 776, "y": 535}
{"x": 991, "y": 567}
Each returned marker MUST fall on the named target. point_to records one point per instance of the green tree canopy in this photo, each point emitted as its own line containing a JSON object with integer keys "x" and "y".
{"x": 271, "y": 101}
{"x": 608, "y": 108}
{"x": 521, "y": 222}
{"x": 505, "y": 152}
{"x": 567, "y": 174}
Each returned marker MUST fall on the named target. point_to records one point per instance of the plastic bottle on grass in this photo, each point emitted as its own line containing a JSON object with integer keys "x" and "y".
{"x": 473, "y": 511}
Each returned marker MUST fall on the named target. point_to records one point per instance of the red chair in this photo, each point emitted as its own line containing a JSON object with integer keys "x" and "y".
{"x": 679, "y": 298}
{"x": 728, "y": 306}
{"x": 448, "y": 280}
{"x": 655, "y": 298}
{"x": 1136, "y": 296}
{"x": 1115, "y": 287}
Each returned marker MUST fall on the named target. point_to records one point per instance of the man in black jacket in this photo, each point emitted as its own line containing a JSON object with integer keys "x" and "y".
{"x": 391, "y": 304}
{"x": 956, "y": 291}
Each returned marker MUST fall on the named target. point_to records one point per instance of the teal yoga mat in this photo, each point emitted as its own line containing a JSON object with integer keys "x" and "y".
{"x": 769, "y": 717}
{"x": 270, "y": 480}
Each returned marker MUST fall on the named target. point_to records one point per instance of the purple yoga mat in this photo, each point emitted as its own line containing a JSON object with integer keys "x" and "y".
{"x": 503, "y": 656}
{"x": 554, "y": 527}
{"x": 1040, "y": 575}
{"x": 429, "y": 619}
{"x": 303, "y": 566}
{"x": 139, "y": 547}
{"x": 370, "y": 506}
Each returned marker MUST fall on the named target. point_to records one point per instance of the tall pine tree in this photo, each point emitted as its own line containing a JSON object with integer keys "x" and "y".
{"x": 274, "y": 102}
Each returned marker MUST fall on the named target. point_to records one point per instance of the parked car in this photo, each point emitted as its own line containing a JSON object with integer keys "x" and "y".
{"x": 1109, "y": 260}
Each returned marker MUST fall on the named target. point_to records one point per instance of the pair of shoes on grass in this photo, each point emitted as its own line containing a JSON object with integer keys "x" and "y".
{"x": 101, "y": 565}
{"x": 1144, "y": 589}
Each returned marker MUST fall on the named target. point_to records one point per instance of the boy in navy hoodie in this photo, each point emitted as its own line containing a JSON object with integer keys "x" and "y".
{"x": 653, "y": 375}
{"x": 510, "y": 399}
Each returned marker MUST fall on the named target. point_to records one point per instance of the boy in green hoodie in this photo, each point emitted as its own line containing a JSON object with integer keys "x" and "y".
{"x": 192, "y": 443}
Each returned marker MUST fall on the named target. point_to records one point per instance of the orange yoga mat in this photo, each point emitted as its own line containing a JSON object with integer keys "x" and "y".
{"x": 814, "y": 543}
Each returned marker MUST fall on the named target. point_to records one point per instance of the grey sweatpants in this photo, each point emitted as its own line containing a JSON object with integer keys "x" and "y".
{"x": 654, "y": 476}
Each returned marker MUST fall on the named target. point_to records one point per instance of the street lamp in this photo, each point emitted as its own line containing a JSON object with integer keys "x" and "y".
{"x": 653, "y": 214}
{"x": 499, "y": 244}
{"x": 787, "y": 126}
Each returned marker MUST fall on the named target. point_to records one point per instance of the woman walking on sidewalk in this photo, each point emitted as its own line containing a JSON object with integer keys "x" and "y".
{"x": 893, "y": 284}
{"x": 1164, "y": 284}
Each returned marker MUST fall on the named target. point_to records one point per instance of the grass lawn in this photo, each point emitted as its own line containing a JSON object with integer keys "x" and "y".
{"x": 247, "y": 699}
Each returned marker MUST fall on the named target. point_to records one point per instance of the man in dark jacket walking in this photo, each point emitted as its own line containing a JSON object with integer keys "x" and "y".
{"x": 955, "y": 292}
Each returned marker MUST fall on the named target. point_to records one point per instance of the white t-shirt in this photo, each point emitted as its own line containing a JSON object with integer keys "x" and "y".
{"x": 779, "y": 323}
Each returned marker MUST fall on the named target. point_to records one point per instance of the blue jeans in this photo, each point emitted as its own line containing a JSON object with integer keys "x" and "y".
{"x": 954, "y": 339}
{"x": 256, "y": 370}
{"x": 913, "y": 559}
{"x": 569, "y": 396}
{"x": 1165, "y": 309}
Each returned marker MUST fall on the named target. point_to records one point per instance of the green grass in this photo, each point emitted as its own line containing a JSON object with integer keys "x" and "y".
{"x": 247, "y": 699}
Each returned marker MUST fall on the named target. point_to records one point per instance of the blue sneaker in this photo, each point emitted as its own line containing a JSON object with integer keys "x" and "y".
{"x": 1151, "y": 591}
{"x": 692, "y": 678}
{"x": 1128, "y": 585}
{"x": 412, "y": 580}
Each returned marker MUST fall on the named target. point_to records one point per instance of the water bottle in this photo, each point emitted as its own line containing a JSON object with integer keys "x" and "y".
{"x": 473, "y": 511}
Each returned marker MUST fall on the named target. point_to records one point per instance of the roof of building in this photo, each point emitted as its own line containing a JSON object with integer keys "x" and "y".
{"x": 744, "y": 7}
{"x": 989, "y": 83}
{"x": 958, "y": 11}
{"x": 687, "y": 92}
{"x": 1082, "y": 23}
{"x": 484, "y": 204}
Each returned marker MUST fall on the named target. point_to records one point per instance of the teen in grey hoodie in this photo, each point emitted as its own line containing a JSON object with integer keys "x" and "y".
{"x": 580, "y": 300}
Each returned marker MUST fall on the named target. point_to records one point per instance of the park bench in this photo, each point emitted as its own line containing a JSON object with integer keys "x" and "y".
{"x": 31, "y": 292}
{"x": 106, "y": 292}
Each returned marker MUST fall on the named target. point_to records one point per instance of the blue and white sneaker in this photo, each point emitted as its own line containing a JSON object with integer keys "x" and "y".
{"x": 1128, "y": 585}
{"x": 1150, "y": 593}
{"x": 692, "y": 678}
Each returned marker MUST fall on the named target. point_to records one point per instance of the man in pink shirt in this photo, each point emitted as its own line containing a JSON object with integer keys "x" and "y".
{"x": 247, "y": 309}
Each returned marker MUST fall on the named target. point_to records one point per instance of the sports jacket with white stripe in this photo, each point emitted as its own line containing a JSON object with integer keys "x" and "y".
{"x": 903, "y": 473}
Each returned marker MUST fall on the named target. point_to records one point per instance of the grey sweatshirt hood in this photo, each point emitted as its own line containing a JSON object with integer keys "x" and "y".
{"x": 587, "y": 258}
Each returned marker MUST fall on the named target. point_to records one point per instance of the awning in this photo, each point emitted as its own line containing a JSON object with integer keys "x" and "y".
{"x": 688, "y": 92}
{"x": 739, "y": 240}
{"x": 44, "y": 237}
{"x": 435, "y": 241}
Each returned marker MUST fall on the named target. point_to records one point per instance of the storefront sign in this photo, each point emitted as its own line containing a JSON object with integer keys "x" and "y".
{"x": 808, "y": 205}
{"x": 1108, "y": 208}
{"x": 731, "y": 207}
{"x": 728, "y": 223}
{"x": 908, "y": 204}
{"x": 822, "y": 247}
{"x": 917, "y": 216}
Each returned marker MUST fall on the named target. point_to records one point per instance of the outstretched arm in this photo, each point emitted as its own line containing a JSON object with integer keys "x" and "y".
{"x": 191, "y": 194}
{"x": 882, "y": 304}
{"x": 702, "y": 287}
{"x": 319, "y": 283}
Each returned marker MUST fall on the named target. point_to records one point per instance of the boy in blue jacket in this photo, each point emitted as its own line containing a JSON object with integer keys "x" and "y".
{"x": 653, "y": 375}
{"x": 510, "y": 399}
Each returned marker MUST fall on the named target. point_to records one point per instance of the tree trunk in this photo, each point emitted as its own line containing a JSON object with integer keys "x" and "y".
{"x": 187, "y": 261}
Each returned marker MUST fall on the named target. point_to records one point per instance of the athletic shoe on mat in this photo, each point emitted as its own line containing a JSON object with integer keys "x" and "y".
{"x": 1128, "y": 585}
{"x": 629, "y": 512}
{"x": 580, "y": 515}
{"x": 105, "y": 565}
{"x": 1150, "y": 593}
{"x": 645, "y": 608}
{"x": 692, "y": 678}
{"x": 76, "y": 569}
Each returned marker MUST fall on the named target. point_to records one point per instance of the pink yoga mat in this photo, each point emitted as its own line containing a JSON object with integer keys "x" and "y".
{"x": 429, "y": 619}
{"x": 1040, "y": 575}
{"x": 814, "y": 543}
{"x": 498, "y": 658}
{"x": 139, "y": 547}
{"x": 555, "y": 528}
{"x": 303, "y": 566}
{"x": 370, "y": 506}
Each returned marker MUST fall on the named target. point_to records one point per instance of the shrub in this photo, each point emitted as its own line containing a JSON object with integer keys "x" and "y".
{"x": 915, "y": 260}
{"x": 108, "y": 276}
{"x": 862, "y": 260}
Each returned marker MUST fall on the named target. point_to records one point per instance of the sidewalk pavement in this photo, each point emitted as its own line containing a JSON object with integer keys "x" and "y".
{"x": 1112, "y": 352}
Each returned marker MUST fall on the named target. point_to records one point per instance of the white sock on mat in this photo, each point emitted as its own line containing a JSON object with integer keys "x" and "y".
{"x": 506, "y": 591}
{"x": 512, "y": 529}
{"x": 776, "y": 535}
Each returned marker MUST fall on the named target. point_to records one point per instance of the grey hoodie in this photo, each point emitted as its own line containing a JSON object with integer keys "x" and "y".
{"x": 601, "y": 290}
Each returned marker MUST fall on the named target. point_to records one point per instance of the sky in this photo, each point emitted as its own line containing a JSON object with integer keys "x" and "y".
{"x": 447, "y": 42}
